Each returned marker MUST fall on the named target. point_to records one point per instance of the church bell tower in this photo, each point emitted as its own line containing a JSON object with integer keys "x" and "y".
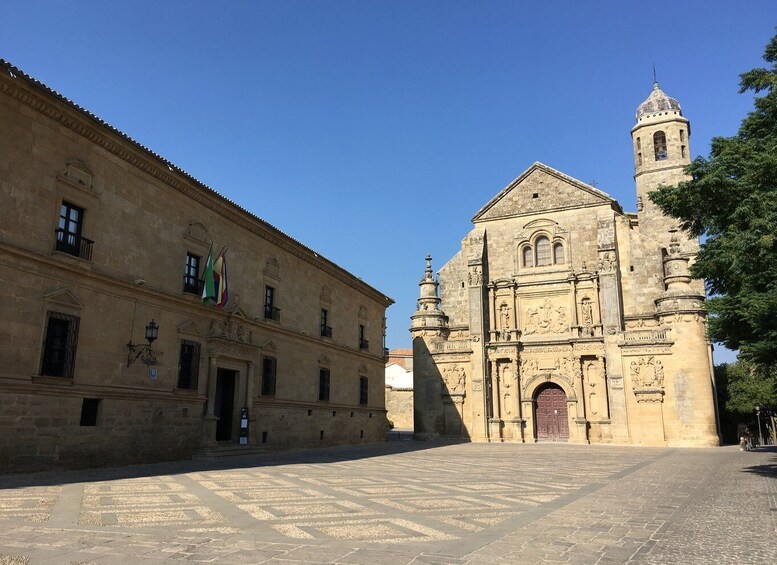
{"x": 661, "y": 151}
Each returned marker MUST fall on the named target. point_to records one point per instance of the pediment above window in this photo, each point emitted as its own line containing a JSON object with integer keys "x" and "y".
{"x": 64, "y": 297}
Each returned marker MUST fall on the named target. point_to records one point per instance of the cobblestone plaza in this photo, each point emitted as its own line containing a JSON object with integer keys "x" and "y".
{"x": 404, "y": 502}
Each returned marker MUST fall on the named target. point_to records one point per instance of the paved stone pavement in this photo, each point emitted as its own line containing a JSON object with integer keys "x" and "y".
{"x": 405, "y": 502}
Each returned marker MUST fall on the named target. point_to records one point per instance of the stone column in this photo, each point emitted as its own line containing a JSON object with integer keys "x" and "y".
{"x": 250, "y": 388}
{"x": 611, "y": 309}
{"x": 528, "y": 417}
{"x": 495, "y": 422}
{"x": 492, "y": 330}
{"x": 210, "y": 419}
{"x": 211, "y": 387}
{"x": 250, "y": 403}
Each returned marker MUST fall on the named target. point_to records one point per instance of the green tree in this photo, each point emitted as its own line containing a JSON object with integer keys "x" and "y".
{"x": 731, "y": 200}
{"x": 742, "y": 386}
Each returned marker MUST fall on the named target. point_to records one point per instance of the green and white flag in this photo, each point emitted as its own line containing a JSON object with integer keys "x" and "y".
{"x": 209, "y": 288}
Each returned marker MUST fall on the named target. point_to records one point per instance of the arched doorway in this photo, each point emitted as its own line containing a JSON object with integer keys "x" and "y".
{"x": 551, "y": 413}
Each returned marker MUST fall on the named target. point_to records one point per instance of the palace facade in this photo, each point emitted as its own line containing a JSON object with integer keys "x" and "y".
{"x": 101, "y": 237}
{"x": 564, "y": 318}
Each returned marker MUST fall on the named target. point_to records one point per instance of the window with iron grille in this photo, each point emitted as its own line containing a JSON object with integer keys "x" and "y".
{"x": 191, "y": 282}
{"x": 269, "y": 370}
{"x": 363, "y": 397}
{"x": 326, "y": 329}
{"x": 323, "y": 384}
{"x": 59, "y": 345}
{"x": 69, "y": 238}
{"x": 188, "y": 364}
{"x": 270, "y": 311}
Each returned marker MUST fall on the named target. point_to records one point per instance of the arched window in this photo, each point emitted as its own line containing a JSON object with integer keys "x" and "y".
{"x": 659, "y": 145}
{"x": 558, "y": 254}
{"x": 639, "y": 144}
{"x": 527, "y": 257}
{"x": 639, "y": 159}
{"x": 682, "y": 135}
{"x": 542, "y": 247}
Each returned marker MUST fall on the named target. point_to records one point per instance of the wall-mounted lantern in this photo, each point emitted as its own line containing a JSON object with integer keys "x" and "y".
{"x": 144, "y": 351}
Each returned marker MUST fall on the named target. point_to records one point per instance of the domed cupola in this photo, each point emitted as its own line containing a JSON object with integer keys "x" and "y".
{"x": 657, "y": 103}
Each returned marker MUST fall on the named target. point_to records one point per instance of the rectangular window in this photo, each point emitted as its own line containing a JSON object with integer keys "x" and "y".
{"x": 69, "y": 239}
{"x": 89, "y": 410}
{"x": 188, "y": 364}
{"x": 270, "y": 311}
{"x": 59, "y": 345}
{"x": 363, "y": 343}
{"x": 191, "y": 273}
{"x": 363, "y": 396}
{"x": 326, "y": 329}
{"x": 323, "y": 384}
{"x": 269, "y": 369}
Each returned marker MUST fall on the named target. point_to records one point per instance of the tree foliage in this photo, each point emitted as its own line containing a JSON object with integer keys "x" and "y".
{"x": 742, "y": 386}
{"x": 731, "y": 199}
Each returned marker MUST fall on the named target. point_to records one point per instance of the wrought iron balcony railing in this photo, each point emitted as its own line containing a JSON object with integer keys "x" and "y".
{"x": 74, "y": 244}
{"x": 272, "y": 313}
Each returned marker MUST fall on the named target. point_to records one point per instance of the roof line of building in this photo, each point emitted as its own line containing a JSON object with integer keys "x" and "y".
{"x": 280, "y": 238}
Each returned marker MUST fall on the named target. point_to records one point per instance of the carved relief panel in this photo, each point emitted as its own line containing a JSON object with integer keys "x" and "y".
{"x": 546, "y": 317}
{"x": 507, "y": 389}
{"x": 647, "y": 379}
{"x": 595, "y": 388}
{"x": 455, "y": 379}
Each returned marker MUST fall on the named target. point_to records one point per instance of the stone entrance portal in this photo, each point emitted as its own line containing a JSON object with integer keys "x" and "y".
{"x": 551, "y": 413}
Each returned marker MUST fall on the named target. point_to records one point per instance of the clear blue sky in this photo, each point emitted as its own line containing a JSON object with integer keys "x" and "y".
{"x": 373, "y": 131}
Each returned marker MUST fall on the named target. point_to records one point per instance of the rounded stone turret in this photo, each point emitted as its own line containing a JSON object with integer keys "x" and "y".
{"x": 428, "y": 318}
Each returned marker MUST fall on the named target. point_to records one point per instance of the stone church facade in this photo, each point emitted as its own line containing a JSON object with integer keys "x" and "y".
{"x": 564, "y": 318}
{"x": 99, "y": 237}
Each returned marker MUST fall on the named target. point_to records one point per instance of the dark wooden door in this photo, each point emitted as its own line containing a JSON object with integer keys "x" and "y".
{"x": 224, "y": 404}
{"x": 551, "y": 412}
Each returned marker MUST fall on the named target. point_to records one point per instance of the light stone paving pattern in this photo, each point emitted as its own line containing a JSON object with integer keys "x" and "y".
{"x": 404, "y": 502}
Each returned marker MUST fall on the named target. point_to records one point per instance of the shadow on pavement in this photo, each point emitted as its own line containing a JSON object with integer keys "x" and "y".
{"x": 400, "y": 444}
{"x": 767, "y": 469}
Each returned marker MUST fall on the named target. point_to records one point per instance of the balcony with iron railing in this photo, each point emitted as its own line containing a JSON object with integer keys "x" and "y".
{"x": 193, "y": 285}
{"x": 73, "y": 244}
{"x": 272, "y": 313}
{"x": 326, "y": 331}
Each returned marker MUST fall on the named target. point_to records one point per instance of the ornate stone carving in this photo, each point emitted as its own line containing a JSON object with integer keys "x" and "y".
{"x": 231, "y": 330}
{"x": 547, "y": 319}
{"x": 273, "y": 269}
{"x": 607, "y": 262}
{"x": 475, "y": 276}
{"x": 569, "y": 366}
{"x": 647, "y": 373}
{"x": 529, "y": 367}
{"x": 504, "y": 316}
{"x": 455, "y": 378}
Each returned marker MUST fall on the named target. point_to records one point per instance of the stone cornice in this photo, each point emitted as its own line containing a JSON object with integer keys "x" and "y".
{"x": 22, "y": 88}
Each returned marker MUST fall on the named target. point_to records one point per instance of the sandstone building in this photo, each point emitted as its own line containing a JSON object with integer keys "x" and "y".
{"x": 399, "y": 388}
{"x": 564, "y": 318}
{"x": 100, "y": 237}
